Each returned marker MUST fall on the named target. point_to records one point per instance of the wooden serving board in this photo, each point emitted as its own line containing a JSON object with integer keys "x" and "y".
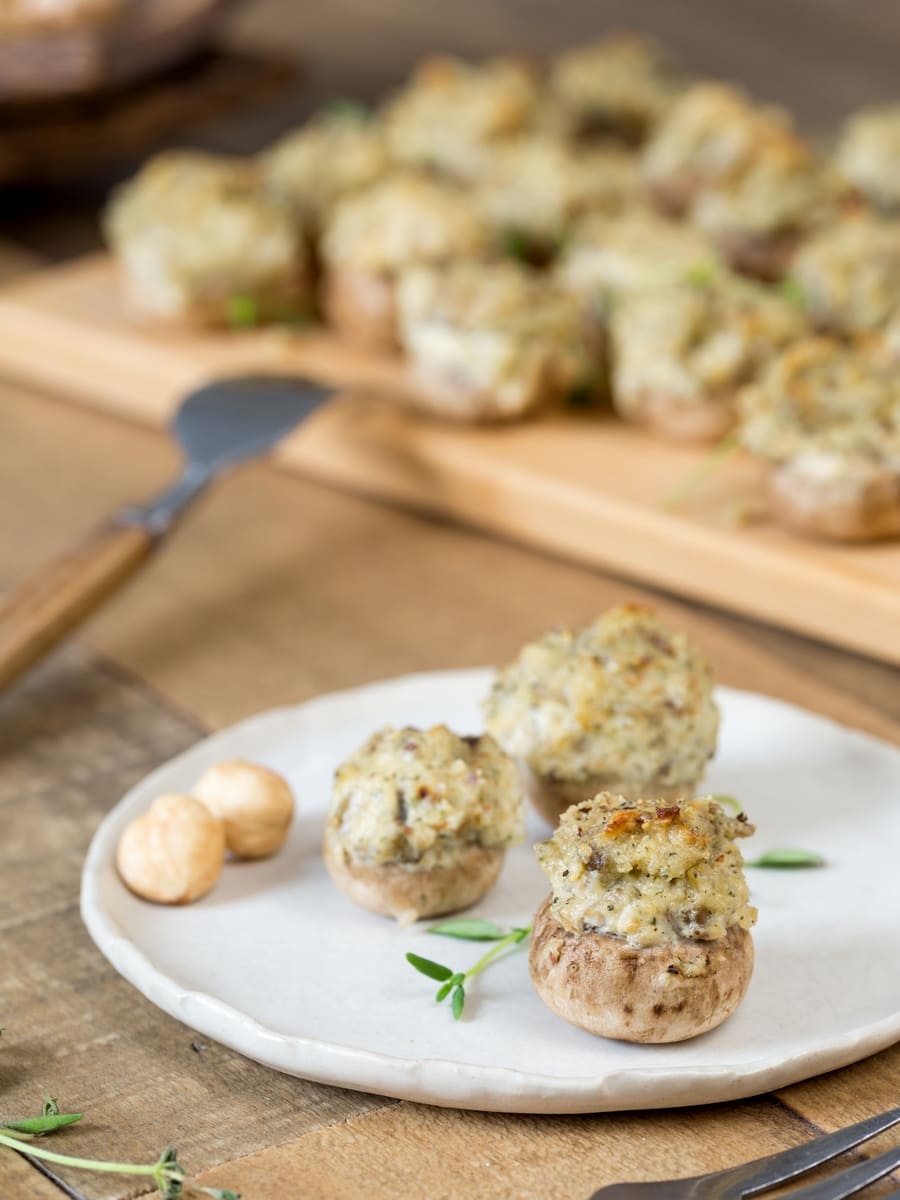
{"x": 583, "y": 486}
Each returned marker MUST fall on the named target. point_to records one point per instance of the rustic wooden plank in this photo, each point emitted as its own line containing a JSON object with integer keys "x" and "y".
{"x": 590, "y": 488}
{"x": 72, "y": 740}
{"x": 842, "y": 1097}
{"x": 411, "y": 1150}
{"x": 19, "y": 1179}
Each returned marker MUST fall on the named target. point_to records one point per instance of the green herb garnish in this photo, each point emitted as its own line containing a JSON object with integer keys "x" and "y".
{"x": 343, "y": 108}
{"x": 689, "y": 483}
{"x": 167, "y": 1173}
{"x": 700, "y": 275}
{"x": 794, "y": 292}
{"x": 243, "y": 311}
{"x": 788, "y": 859}
{"x": 471, "y": 929}
{"x": 514, "y": 243}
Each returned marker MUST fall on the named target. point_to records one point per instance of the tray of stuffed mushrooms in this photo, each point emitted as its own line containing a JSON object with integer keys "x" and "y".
{"x": 597, "y": 304}
{"x": 523, "y": 889}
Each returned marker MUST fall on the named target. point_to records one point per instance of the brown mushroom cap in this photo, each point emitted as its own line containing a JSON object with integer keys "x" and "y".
{"x": 551, "y": 797}
{"x": 408, "y": 892}
{"x": 663, "y": 993}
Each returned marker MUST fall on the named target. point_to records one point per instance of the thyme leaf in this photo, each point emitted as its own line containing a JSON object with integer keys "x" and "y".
{"x": 472, "y": 929}
{"x": 788, "y": 859}
{"x": 453, "y": 983}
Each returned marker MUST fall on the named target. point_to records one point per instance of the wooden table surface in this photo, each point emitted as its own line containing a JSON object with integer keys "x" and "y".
{"x": 277, "y": 589}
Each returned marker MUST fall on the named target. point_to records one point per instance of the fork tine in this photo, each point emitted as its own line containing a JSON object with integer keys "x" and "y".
{"x": 748, "y": 1179}
{"x": 854, "y": 1179}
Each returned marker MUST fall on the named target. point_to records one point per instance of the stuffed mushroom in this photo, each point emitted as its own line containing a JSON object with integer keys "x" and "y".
{"x": 624, "y": 704}
{"x": 758, "y": 212}
{"x": 645, "y": 935}
{"x": 200, "y": 242}
{"x": 420, "y": 821}
{"x": 535, "y": 187}
{"x": 849, "y": 275}
{"x": 825, "y": 418}
{"x": 452, "y": 115}
{"x": 680, "y": 353}
{"x": 620, "y": 86}
{"x": 868, "y": 155}
{"x": 491, "y": 341}
{"x": 373, "y": 236}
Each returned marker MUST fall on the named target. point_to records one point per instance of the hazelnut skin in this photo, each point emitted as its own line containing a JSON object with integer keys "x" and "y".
{"x": 254, "y": 804}
{"x": 173, "y": 854}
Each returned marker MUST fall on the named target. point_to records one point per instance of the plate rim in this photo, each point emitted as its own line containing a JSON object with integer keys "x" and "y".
{"x": 416, "y": 1079}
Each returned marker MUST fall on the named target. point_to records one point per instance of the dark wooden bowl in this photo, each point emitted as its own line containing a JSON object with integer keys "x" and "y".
{"x": 102, "y": 44}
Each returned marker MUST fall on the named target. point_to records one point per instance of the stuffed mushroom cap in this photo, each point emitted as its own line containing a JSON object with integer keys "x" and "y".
{"x": 607, "y": 256}
{"x": 537, "y": 185}
{"x": 849, "y": 274}
{"x": 710, "y": 130}
{"x": 824, "y": 396}
{"x": 623, "y": 699}
{"x": 825, "y": 416}
{"x": 622, "y": 84}
{"x": 491, "y": 341}
{"x": 195, "y": 233}
{"x": 868, "y": 155}
{"x": 453, "y": 114}
{"x": 420, "y": 820}
{"x": 311, "y": 168}
{"x": 400, "y": 221}
{"x": 645, "y": 935}
{"x": 681, "y": 351}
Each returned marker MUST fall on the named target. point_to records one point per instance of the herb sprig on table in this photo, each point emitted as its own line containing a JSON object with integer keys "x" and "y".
{"x": 470, "y": 929}
{"x": 167, "y": 1172}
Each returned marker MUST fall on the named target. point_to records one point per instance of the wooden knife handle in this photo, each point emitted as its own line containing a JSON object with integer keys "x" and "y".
{"x": 41, "y": 611}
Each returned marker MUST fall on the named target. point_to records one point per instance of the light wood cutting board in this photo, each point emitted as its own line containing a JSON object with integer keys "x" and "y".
{"x": 583, "y": 486}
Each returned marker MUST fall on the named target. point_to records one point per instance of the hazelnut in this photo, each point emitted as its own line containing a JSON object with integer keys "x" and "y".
{"x": 255, "y": 805}
{"x": 173, "y": 854}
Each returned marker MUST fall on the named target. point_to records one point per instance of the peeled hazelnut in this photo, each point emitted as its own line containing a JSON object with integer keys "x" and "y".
{"x": 173, "y": 854}
{"x": 255, "y": 805}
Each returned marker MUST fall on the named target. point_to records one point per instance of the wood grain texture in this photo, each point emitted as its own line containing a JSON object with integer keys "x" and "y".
{"x": 590, "y": 488}
{"x": 71, "y": 741}
{"x": 47, "y": 606}
{"x": 447, "y": 1155}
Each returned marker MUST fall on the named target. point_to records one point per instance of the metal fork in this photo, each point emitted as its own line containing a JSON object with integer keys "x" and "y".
{"x": 748, "y": 1179}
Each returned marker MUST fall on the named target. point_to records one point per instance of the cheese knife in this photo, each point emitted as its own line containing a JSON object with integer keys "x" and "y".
{"x": 217, "y": 426}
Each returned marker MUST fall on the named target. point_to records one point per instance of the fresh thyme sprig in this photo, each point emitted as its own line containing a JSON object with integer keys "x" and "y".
{"x": 167, "y": 1172}
{"x": 473, "y": 929}
{"x": 788, "y": 859}
{"x": 692, "y": 479}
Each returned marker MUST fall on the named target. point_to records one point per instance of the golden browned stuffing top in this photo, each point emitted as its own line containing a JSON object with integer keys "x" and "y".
{"x": 868, "y": 154}
{"x": 539, "y": 185}
{"x": 625, "y": 697}
{"x": 416, "y": 796}
{"x": 849, "y": 274}
{"x": 823, "y": 396}
{"x": 621, "y": 78}
{"x": 708, "y": 132}
{"x": 330, "y": 156}
{"x": 781, "y": 187}
{"x": 452, "y": 113}
{"x": 695, "y": 340}
{"x": 607, "y": 256}
{"x": 403, "y": 220}
{"x": 647, "y": 871}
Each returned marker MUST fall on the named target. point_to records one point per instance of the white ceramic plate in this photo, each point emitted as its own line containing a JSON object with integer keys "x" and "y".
{"x": 279, "y": 965}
